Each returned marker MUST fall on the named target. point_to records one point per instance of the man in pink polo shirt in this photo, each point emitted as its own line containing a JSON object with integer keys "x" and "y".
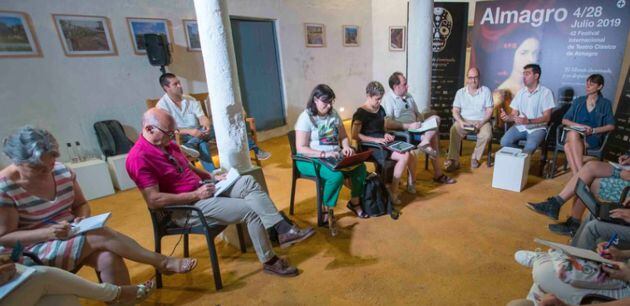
{"x": 165, "y": 177}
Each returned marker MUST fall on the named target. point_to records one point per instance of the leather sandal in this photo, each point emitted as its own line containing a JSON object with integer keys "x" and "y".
{"x": 353, "y": 208}
{"x": 428, "y": 150}
{"x": 185, "y": 265}
{"x": 443, "y": 179}
{"x": 143, "y": 291}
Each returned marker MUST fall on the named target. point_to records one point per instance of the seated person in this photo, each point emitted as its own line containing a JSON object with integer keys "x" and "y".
{"x": 319, "y": 132}
{"x": 368, "y": 124}
{"x": 40, "y": 197}
{"x": 164, "y": 176}
{"x": 593, "y": 231}
{"x": 531, "y": 111}
{"x": 548, "y": 280}
{"x": 402, "y": 112}
{"x": 54, "y": 286}
{"x": 473, "y": 107}
{"x": 609, "y": 188}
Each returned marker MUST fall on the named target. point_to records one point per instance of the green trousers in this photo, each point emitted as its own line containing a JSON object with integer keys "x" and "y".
{"x": 333, "y": 180}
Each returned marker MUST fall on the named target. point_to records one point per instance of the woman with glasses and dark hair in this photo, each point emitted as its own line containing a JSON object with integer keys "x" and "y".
{"x": 40, "y": 198}
{"x": 319, "y": 132}
{"x": 369, "y": 123}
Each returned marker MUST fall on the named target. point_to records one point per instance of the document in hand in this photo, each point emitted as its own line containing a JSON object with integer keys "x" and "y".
{"x": 427, "y": 125}
{"x": 619, "y": 166}
{"x": 577, "y": 128}
{"x": 576, "y": 252}
{"x": 23, "y": 273}
{"x": 89, "y": 224}
{"x": 229, "y": 180}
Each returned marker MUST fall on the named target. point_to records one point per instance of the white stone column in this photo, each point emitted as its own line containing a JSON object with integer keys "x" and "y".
{"x": 215, "y": 36}
{"x": 419, "y": 52}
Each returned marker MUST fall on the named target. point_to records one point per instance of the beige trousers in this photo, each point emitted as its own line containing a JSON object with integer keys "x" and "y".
{"x": 457, "y": 133}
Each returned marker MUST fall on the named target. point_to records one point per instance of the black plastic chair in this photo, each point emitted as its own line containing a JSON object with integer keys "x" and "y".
{"x": 164, "y": 226}
{"x": 384, "y": 166}
{"x": 559, "y": 147}
{"x": 296, "y": 174}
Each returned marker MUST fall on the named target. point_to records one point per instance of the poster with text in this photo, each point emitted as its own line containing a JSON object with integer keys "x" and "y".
{"x": 619, "y": 139}
{"x": 569, "y": 39}
{"x": 450, "y": 23}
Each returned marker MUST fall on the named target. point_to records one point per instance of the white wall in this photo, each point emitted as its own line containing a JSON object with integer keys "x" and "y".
{"x": 386, "y": 13}
{"x": 67, "y": 95}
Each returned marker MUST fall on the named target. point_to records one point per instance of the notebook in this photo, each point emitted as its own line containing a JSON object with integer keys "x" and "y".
{"x": 344, "y": 162}
{"x": 573, "y": 251}
{"x": 22, "y": 274}
{"x": 231, "y": 178}
{"x": 89, "y": 224}
{"x": 427, "y": 125}
{"x": 579, "y": 129}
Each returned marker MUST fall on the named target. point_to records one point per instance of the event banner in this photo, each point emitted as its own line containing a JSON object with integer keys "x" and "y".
{"x": 569, "y": 39}
{"x": 450, "y": 22}
{"x": 619, "y": 140}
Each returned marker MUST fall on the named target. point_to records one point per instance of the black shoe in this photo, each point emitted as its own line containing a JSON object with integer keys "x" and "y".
{"x": 567, "y": 228}
{"x": 549, "y": 208}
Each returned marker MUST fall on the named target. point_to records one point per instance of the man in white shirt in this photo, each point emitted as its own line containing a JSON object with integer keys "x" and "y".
{"x": 531, "y": 111}
{"x": 192, "y": 123}
{"x": 472, "y": 110}
{"x": 402, "y": 111}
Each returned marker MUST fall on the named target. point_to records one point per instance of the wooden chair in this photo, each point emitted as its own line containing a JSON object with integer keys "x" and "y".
{"x": 164, "y": 226}
{"x": 298, "y": 175}
{"x": 203, "y": 100}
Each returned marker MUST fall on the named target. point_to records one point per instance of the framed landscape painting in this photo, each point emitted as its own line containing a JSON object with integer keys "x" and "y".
{"x": 315, "y": 35}
{"x": 17, "y": 38}
{"x": 85, "y": 35}
{"x": 140, "y": 26}
{"x": 351, "y": 36}
{"x": 192, "y": 35}
{"x": 396, "y": 38}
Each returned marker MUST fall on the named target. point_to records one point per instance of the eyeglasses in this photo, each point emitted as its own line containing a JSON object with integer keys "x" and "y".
{"x": 406, "y": 104}
{"x": 173, "y": 161}
{"x": 170, "y": 134}
{"x": 473, "y": 78}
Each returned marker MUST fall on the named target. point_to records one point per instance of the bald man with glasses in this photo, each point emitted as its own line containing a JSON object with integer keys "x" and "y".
{"x": 472, "y": 111}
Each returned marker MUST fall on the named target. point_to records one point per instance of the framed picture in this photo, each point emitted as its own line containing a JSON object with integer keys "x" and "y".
{"x": 396, "y": 38}
{"x": 85, "y": 35}
{"x": 17, "y": 38}
{"x": 140, "y": 26}
{"x": 351, "y": 36}
{"x": 192, "y": 35}
{"x": 315, "y": 35}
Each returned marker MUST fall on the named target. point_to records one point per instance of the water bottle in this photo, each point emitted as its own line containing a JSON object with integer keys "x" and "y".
{"x": 80, "y": 153}
{"x": 71, "y": 153}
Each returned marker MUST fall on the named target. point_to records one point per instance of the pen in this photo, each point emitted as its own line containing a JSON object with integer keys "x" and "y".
{"x": 612, "y": 242}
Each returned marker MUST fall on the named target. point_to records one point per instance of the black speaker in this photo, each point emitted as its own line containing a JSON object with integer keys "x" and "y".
{"x": 157, "y": 49}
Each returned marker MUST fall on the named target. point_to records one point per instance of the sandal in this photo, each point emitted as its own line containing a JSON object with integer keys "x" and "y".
{"x": 142, "y": 292}
{"x": 443, "y": 179}
{"x": 353, "y": 208}
{"x": 428, "y": 150}
{"x": 185, "y": 265}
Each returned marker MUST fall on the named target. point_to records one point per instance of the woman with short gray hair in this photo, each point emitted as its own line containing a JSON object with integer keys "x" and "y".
{"x": 40, "y": 198}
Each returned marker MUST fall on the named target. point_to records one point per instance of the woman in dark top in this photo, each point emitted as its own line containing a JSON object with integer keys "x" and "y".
{"x": 594, "y": 114}
{"x": 368, "y": 124}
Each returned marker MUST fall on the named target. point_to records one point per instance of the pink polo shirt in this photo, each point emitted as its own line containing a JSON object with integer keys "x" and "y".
{"x": 148, "y": 166}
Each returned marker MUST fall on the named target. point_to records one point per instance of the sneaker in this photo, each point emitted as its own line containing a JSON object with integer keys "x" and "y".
{"x": 526, "y": 258}
{"x": 189, "y": 151}
{"x": 567, "y": 228}
{"x": 263, "y": 155}
{"x": 474, "y": 163}
{"x": 451, "y": 165}
{"x": 549, "y": 208}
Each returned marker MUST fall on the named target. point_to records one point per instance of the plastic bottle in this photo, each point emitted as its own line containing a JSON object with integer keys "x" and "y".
{"x": 80, "y": 154}
{"x": 72, "y": 153}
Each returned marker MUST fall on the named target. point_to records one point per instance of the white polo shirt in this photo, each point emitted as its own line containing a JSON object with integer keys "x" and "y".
{"x": 185, "y": 117}
{"x": 399, "y": 109}
{"x": 532, "y": 105}
{"x": 473, "y": 107}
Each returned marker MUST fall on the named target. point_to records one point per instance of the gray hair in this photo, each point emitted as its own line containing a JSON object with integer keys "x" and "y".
{"x": 149, "y": 118}
{"x": 28, "y": 144}
{"x": 374, "y": 88}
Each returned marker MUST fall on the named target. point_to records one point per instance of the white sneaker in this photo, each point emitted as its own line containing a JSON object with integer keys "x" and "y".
{"x": 411, "y": 189}
{"x": 189, "y": 151}
{"x": 526, "y": 258}
{"x": 263, "y": 155}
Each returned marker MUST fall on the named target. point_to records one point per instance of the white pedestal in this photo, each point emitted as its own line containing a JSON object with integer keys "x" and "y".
{"x": 511, "y": 167}
{"x": 93, "y": 177}
{"x": 118, "y": 172}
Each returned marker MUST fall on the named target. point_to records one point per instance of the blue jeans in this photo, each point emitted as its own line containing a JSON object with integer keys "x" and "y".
{"x": 513, "y": 136}
{"x": 205, "y": 156}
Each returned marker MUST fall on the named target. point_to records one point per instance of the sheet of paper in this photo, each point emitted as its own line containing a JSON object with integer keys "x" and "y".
{"x": 230, "y": 179}
{"x": 23, "y": 273}
{"x": 618, "y": 166}
{"x": 427, "y": 125}
{"x": 573, "y": 251}
{"x": 91, "y": 223}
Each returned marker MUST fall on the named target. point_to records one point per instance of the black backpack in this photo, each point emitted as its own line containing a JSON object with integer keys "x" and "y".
{"x": 112, "y": 138}
{"x": 376, "y": 200}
